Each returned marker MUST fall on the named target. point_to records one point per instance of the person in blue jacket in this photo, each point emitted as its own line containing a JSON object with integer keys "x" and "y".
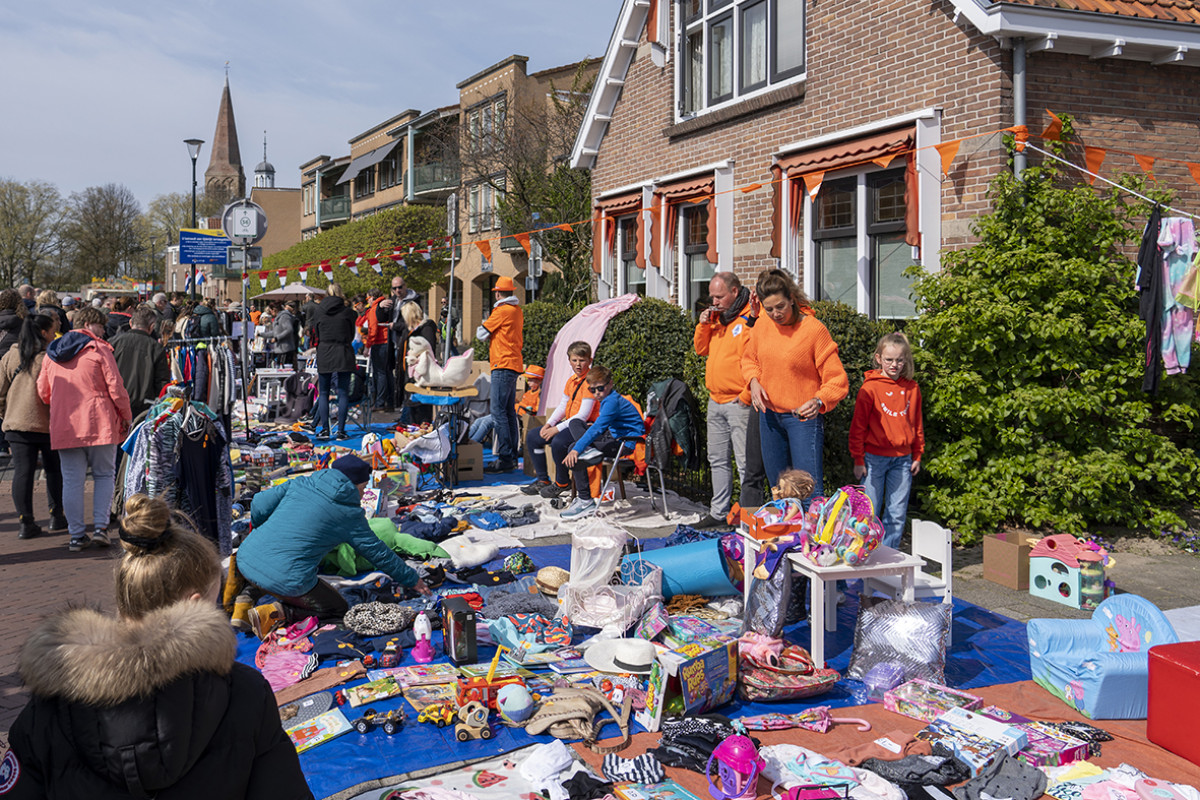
{"x": 618, "y": 420}
{"x": 294, "y": 526}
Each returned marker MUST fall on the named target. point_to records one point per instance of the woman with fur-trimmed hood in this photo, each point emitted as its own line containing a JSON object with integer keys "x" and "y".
{"x": 150, "y": 704}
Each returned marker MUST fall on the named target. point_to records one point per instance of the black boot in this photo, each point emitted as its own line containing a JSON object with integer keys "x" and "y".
{"x": 29, "y": 528}
{"x": 58, "y": 521}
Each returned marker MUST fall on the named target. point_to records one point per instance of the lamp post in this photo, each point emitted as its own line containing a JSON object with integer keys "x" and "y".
{"x": 193, "y": 146}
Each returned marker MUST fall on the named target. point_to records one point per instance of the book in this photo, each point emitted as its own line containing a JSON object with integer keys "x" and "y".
{"x": 665, "y": 790}
{"x": 421, "y": 696}
{"x": 571, "y": 665}
{"x": 373, "y": 691}
{"x": 418, "y": 674}
{"x": 319, "y": 729}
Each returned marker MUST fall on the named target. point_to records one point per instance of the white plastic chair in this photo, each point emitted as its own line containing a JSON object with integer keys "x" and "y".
{"x": 935, "y": 544}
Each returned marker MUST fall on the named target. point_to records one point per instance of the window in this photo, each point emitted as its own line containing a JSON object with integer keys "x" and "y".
{"x": 836, "y": 226}
{"x": 697, "y": 269}
{"x": 485, "y": 123}
{"x": 633, "y": 277}
{"x": 389, "y": 170}
{"x": 473, "y": 208}
{"x": 731, "y": 48}
{"x": 482, "y": 205}
{"x": 308, "y": 200}
{"x": 364, "y": 183}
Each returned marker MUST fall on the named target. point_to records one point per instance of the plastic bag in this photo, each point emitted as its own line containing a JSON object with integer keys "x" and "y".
{"x": 769, "y": 601}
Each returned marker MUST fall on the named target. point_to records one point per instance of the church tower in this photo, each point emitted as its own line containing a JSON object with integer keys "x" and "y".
{"x": 225, "y": 179}
{"x": 264, "y": 173}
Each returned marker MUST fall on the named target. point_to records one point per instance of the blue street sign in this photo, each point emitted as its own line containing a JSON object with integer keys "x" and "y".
{"x": 203, "y": 246}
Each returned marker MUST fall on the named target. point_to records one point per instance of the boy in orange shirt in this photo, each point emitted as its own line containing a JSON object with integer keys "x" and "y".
{"x": 576, "y": 402}
{"x": 503, "y": 330}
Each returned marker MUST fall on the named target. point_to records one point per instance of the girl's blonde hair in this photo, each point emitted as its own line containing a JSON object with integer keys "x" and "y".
{"x": 165, "y": 559}
{"x": 897, "y": 339}
{"x": 333, "y": 290}
{"x": 413, "y": 315}
{"x": 793, "y": 483}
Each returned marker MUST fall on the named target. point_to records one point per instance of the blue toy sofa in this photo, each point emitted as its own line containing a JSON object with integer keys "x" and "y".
{"x": 1100, "y": 666}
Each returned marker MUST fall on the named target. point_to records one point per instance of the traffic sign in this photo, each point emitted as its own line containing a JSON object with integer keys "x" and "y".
{"x": 244, "y": 222}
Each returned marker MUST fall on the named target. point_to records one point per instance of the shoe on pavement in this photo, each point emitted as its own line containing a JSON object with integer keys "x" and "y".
{"x": 265, "y": 618}
{"x": 58, "y": 523}
{"x": 709, "y": 521}
{"x": 78, "y": 542}
{"x": 497, "y": 467}
{"x": 29, "y": 529}
{"x": 552, "y": 490}
{"x": 579, "y": 508}
{"x": 100, "y": 537}
{"x": 535, "y": 487}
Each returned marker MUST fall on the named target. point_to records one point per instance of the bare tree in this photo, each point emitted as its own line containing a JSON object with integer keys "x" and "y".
{"x": 31, "y": 215}
{"x": 524, "y": 159}
{"x": 104, "y": 230}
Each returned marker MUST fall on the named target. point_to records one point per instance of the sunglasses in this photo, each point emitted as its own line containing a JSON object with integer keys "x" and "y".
{"x": 601, "y": 388}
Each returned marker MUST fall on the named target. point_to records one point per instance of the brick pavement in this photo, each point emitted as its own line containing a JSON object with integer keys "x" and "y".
{"x": 39, "y": 576}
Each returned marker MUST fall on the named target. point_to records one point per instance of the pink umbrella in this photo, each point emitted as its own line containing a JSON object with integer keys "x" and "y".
{"x": 817, "y": 718}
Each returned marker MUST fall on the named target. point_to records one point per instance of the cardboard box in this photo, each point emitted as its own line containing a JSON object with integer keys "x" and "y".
{"x": 702, "y": 674}
{"x": 1048, "y": 747}
{"x": 528, "y": 424}
{"x": 470, "y": 462}
{"x": 974, "y": 739}
{"x": 1006, "y": 559}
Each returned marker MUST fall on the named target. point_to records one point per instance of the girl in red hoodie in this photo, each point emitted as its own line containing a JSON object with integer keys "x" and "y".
{"x": 887, "y": 436}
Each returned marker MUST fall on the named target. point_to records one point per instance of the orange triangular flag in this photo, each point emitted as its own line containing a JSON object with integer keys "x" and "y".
{"x": 1020, "y": 136}
{"x": 485, "y": 249}
{"x": 523, "y": 238}
{"x": 566, "y": 226}
{"x": 1146, "y": 163}
{"x": 1093, "y": 158}
{"x": 947, "y": 150}
{"x": 812, "y": 182}
{"x": 1195, "y": 170}
{"x": 884, "y": 160}
{"x": 752, "y": 187}
{"x": 1054, "y": 129}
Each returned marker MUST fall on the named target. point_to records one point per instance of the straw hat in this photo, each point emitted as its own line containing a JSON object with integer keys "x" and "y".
{"x": 549, "y": 579}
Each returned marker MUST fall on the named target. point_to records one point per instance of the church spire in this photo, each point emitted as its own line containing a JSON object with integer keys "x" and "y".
{"x": 225, "y": 179}
{"x": 264, "y": 173}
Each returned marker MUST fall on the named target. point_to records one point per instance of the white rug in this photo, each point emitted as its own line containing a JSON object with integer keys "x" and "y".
{"x": 1186, "y": 622}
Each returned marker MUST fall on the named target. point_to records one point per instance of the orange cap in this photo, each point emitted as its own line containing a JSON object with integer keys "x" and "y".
{"x": 535, "y": 372}
{"x": 504, "y": 284}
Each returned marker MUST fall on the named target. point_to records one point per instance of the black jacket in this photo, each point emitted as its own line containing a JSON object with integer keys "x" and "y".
{"x": 334, "y": 328}
{"x": 64, "y": 324}
{"x": 106, "y": 721}
{"x": 143, "y": 365}
{"x": 10, "y": 329}
{"x": 117, "y": 322}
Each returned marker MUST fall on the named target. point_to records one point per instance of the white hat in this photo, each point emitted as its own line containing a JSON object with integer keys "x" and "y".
{"x": 621, "y": 655}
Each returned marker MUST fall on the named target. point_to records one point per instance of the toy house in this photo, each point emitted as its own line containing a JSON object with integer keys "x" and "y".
{"x": 1067, "y": 570}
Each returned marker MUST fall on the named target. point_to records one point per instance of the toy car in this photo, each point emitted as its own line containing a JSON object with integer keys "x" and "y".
{"x": 390, "y": 656}
{"x": 474, "y": 722}
{"x": 391, "y": 722}
{"x": 482, "y": 690}
{"x": 442, "y": 714}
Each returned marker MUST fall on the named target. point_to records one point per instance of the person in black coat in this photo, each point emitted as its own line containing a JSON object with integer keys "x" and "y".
{"x": 141, "y": 360}
{"x": 150, "y": 704}
{"x": 333, "y": 328}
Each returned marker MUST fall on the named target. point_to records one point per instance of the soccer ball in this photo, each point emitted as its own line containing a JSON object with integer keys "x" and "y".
{"x": 514, "y": 703}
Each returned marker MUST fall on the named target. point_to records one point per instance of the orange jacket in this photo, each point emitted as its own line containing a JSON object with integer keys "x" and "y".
{"x": 528, "y": 404}
{"x": 724, "y": 344}
{"x": 377, "y": 332}
{"x": 795, "y": 363}
{"x": 887, "y": 419}
{"x": 505, "y": 325}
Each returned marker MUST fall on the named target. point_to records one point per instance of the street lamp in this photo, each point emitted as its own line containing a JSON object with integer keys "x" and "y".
{"x": 193, "y": 146}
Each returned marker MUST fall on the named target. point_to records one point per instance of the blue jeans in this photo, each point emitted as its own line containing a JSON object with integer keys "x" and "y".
{"x": 324, "y": 380}
{"x": 381, "y": 376}
{"x": 889, "y": 479}
{"x": 790, "y": 442}
{"x": 503, "y": 401}
{"x": 481, "y": 428}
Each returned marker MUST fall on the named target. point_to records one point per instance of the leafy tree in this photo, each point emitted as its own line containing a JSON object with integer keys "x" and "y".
{"x": 395, "y": 227}
{"x": 1031, "y": 367}
{"x": 104, "y": 233}
{"x": 31, "y": 216}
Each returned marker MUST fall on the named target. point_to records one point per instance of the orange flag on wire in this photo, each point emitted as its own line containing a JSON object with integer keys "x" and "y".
{"x": 485, "y": 249}
{"x": 884, "y": 160}
{"x": 566, "y": 226}
{"x": 1195, "y": 170}
{"x": 1093, "y": 158}
{"x": 812, "y": 182}
{"x": 1054, "y": 129}
{"x": 1146, "y": 163}
{"x": 947, "y": 150}
{"x": 1020, "y": 136}
{"x": 752, "y": 187}
{"x": 523, "y": 238}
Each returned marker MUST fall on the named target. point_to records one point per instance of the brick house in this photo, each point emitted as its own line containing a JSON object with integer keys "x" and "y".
{"x": 714, "y": 120}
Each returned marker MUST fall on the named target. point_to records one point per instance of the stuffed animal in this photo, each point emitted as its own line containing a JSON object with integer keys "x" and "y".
{"x": 425, "y": 370}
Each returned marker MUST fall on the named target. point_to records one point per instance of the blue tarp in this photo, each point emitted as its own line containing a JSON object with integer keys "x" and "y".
{"x": 987, "y": 649}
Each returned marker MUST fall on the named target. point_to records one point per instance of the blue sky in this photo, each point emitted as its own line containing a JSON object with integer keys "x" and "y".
{"x": 98, "y": 93}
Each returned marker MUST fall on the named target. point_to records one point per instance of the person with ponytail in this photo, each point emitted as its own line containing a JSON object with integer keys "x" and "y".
{"x": 152, "y": 702}
{"x": 27, "y": 424}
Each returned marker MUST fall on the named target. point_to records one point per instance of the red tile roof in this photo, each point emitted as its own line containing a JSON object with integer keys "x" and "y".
{"x": 1165, "y": 10}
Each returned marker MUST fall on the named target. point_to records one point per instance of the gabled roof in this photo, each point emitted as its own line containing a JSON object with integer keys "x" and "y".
{"x": 622, "y": 47}
{"x": 1158, "y": 31}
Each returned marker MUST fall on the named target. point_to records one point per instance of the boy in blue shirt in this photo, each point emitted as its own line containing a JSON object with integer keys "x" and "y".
{"x": 619, "y": 420}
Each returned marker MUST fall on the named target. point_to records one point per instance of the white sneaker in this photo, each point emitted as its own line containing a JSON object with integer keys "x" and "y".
{"x": 579, "y": 508}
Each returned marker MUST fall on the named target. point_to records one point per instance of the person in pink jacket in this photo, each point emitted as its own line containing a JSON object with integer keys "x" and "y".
{"x": 89, "y": 416}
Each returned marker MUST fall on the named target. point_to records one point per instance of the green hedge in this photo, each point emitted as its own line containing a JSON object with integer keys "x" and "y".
{"x": 649, "y": 342}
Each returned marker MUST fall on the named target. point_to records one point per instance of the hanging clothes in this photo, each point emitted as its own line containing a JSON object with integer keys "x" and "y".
{"x": 1177, "y": 241}
{"x": 1150, "y": 307}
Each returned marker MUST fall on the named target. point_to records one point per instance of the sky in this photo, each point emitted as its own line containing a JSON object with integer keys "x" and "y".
{"x": 97, "y": 93}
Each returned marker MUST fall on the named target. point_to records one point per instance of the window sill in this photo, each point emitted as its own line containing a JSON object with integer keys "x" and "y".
{"x": 751, "y": 105}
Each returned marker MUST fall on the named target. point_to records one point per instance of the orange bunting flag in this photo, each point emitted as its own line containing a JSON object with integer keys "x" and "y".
{"x": 947, "y": 150}
{"x": 485, "y": 249}
{"x": 812, "y": 182}
{"x": 262, "y": 279}
{"x": 884, "y": 160}
{"x": 1195, "y": 170}
{"x": 1020, "y": 136}
{"x": 751, "y": 188}
{"x": 1054, "y": 129}
{"x": 1147, "y": 164}
{"x": 1093, "y": 159}
{"x": 566, "y": 226}
{"x": 523, "y": 238}
{"x": 282, "y": 277}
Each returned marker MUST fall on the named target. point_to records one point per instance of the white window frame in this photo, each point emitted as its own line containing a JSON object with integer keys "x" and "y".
{"x": 619, "y": 258}
{"x": 716, "y": 12}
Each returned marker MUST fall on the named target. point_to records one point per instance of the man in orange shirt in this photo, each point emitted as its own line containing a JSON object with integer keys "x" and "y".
{"x": 375, "y": 340}
{"x": 503, "y": 330}
{"x": 721, "y": 334}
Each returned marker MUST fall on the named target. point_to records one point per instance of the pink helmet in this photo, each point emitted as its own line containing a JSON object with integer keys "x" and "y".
{"x": 738, "y": 768}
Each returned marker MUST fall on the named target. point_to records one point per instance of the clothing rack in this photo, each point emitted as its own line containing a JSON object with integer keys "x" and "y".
{"x": 184, "y": 341}
{"x": 178, "y": 341}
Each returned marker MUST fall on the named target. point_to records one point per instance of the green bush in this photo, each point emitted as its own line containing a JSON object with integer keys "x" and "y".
{"x": 647, "y": 343}
{"x": 543, "y": 321}
{"x": 856, "y": 336}
{"x": 1031, "y": 370}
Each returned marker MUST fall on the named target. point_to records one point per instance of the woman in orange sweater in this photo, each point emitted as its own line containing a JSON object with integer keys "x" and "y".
{"x": 791, "y": 364}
